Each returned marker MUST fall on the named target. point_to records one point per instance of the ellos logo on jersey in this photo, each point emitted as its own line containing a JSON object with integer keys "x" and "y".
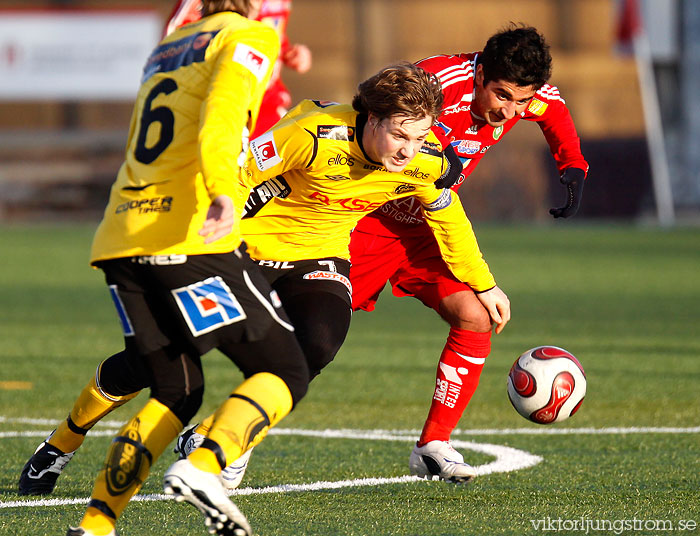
{"x": 208, "y": 305}
{"x": 265, "y": 151}
{"x": 253, "y": 60}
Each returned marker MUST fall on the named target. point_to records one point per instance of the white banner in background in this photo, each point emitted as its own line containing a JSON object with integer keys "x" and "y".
{"x": 75, "y": 54}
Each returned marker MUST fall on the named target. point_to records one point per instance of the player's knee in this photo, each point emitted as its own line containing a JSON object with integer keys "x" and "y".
{"x": 177, "y": 382}
{"x": 320, "y": 354}
{"x": 122, "y": 374}
{"x": 464, "y": 310}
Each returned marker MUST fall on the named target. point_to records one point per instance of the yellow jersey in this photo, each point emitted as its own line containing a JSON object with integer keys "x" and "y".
{"x": 198, "y": 100}
{"x": 312, "y": 181}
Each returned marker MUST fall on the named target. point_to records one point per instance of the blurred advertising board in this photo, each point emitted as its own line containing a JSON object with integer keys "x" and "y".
{"x": 74, "y": 54}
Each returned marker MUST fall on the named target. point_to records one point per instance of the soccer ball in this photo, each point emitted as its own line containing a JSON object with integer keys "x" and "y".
{"x": 546, "y": 384}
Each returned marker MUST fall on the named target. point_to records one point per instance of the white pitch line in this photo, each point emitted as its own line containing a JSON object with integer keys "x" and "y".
{"x": 367, "y": 434}
{"x": 507, "y": 459}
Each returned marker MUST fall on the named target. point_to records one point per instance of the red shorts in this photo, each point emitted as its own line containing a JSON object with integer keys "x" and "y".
{"x": 412, "y": 265}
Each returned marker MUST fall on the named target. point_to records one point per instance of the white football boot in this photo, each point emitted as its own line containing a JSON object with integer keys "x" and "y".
{"x": 206, "y": 492}
{"x": 437, "y": 460}
{"x": 232, "y": 474}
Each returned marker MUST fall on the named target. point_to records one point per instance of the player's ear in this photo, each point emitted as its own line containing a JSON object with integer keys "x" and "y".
{"x": 479, "y": 75}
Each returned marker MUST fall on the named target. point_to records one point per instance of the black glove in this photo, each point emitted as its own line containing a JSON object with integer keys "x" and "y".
{"x": 453, "y": 172}
{"x": 573, "y": 179}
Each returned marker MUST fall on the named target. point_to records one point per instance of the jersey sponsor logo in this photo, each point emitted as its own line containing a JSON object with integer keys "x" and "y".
{"x": 338, "y": 178}
{"x": 336, "y": 132}
{"x": 537, "y": 107}
{"x": 466, "y": 147}
{"x": 329, "y": 276}
{"x": 456, "y": 109}
{"x": 124, "y": 319}
{"x": 403, "y": 188}
{"x": 497, "y": 132}
{"x": 416, "y": 173}
{"x": 208, "y": 305}
{"x": 253, "y": 60}
{"x": 160, "y": 260}
{"x": 444, "y": 201}
{"x": 374, "y": 168}
{"x": 341, "y": 160}
{"x": 276, "y": 265}
{"x": 180, "y": 53}
{"x": 264, "y": 151}
{"x": 145, "y": 206}
{"x": 431, "y": 148}
{"x": 348, "y": 203}
{"x": 261, "y": 194}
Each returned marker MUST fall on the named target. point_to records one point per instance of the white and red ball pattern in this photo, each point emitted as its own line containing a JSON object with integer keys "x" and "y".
{"x": 546, "y": 384}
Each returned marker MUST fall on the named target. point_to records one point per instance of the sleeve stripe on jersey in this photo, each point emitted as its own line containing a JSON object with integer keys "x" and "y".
{"x": 550, "y": 93}
{"x": 456, "y": 73}
{"x": 314, "y": 151}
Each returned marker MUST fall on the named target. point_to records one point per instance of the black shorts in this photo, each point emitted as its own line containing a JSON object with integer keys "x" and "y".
{"x": 196, "y": 302}
{"x": 291, "y": 278}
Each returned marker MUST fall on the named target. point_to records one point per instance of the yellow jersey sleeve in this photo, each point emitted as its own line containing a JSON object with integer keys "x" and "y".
{"x": 457, "y": 241}
{"x": 240, "y": 72}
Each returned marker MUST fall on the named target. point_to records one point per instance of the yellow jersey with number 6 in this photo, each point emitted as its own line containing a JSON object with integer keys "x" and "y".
{"x": 198, "y": 100}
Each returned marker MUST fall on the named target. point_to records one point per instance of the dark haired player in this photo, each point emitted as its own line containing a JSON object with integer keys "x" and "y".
{"x": 486, "y": 94}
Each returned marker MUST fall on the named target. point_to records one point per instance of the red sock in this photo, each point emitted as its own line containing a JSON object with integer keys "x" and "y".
{"x": 457, "y": 377}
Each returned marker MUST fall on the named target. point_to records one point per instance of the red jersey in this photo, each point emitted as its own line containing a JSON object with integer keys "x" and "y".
{"x": 275, "y": 13}
{"x": 471, "y": 139}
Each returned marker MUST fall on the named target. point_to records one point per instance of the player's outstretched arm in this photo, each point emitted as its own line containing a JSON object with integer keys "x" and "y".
{"x": 498, "y": 306}
{"x": 220, "y": 218}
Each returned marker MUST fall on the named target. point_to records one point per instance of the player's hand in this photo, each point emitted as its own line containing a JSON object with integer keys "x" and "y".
{"x": 219, "y": 220}
{"x": 298, "y": 57}
{"x": 498, "y": 305}
{"x": 573, "y": 179}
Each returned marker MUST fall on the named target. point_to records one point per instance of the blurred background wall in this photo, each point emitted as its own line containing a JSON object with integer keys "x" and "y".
{"x": 58, "y": 155}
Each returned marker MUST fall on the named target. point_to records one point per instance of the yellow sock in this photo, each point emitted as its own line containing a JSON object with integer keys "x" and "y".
{"x": 91, "y": 406}
{"x": 136, "y": 448}
{"x": 204, "y": 426}
{"x": 242, "y": 422}
{"x": 205, "y": 459}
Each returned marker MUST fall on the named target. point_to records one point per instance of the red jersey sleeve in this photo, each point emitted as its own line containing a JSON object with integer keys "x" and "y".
{"x": 550, "y": 112}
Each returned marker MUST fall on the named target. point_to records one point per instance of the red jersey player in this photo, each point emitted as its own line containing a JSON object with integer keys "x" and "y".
{"x": 486, "y": 94}
{"x": 274, "y": 13}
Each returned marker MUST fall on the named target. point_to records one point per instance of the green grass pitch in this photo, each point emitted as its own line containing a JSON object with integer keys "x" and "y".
{"x": 624, "y": 300}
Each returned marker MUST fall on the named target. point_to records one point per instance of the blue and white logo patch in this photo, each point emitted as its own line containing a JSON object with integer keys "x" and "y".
{"x": 127, "y": 328}
{"x": 208, "y": 305}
